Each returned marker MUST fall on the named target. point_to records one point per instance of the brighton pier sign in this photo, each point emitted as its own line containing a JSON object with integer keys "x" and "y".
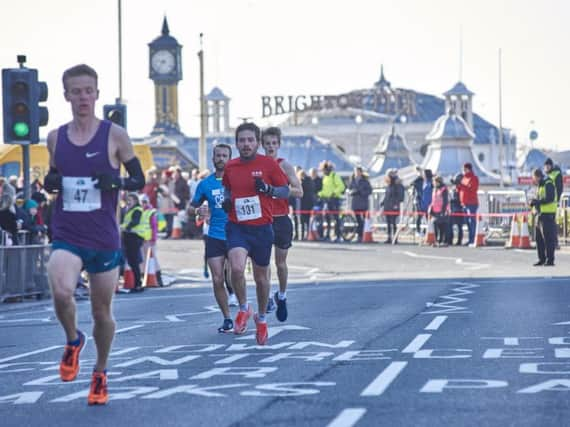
{"x": 393, "y": 102}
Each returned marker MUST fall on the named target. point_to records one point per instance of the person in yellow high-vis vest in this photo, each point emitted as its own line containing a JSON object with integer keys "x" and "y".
{"x": 134, "y": 231}
{"x": 555, "y": 174}
{"x": 150, "y": 216}
{"x": 544, "y": 206}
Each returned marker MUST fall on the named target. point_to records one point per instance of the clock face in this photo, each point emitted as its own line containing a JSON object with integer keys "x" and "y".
{"x": 163, "y": 62}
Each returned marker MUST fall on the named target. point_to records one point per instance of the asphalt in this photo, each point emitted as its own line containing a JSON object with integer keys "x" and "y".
{"x": 359, "y": 348}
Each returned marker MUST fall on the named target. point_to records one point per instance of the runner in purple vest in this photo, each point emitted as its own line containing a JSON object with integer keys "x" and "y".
{"x": 85, "y": 157}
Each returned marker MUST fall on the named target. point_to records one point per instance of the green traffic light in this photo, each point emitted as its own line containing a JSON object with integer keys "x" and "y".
{"x": 21, "y": 129}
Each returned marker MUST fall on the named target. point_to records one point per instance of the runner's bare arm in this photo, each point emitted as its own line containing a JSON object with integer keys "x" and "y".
{"x": 51, "y": 141}
{"x": 295, "y": 187}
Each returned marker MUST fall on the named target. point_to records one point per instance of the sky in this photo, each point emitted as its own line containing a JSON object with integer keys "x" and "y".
{"x": 293, "y": 47}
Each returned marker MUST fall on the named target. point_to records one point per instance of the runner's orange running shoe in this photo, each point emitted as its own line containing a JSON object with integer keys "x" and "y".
{"x": 98, "y": 394}
{"x": 69, "y": 366}
{"x": 240, "y": 324}
{"x": 261, "y": 333}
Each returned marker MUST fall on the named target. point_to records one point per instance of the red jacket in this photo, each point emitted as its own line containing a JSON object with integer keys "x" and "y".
{"x": 468, "y": 189}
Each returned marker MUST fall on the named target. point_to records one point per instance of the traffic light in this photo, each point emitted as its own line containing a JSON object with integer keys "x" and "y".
{"x": 117, "y": 113}
{"x": 21, "y": 94}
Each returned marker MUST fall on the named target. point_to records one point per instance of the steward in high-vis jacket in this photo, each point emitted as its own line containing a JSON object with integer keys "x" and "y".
{"x": 544, "y": 206}
{"x": 330, "y": 194}
{"x": 134, "y": 233}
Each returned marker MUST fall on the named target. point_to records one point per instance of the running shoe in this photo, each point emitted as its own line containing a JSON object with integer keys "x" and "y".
{"x": 261, "y": 333}
{"x": 240, "y": 324}
{"x": 227, "y": 326}
{"x": 270, "y": 305}
{"x": 281, "y": 312}
{"x": 233, "y": 301}
{"x": 98, "y": 394}
{"x": 69, "y": 366}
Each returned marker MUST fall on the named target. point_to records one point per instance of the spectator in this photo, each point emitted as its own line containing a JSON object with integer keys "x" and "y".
{"x": 8, "y": 209}
{"x": 456, "y": 218}
{"x": 393, "y": 197}
{"x": 360, "y": 190}
{"x": 317, "y": 183}
{"x": 468, "y": 188}
{"x": 308, "y": 201}
{"x": 166, "y": 197}
{"x": 181, "y": 189}
{"x": 149, "y": 216}
{"x": 426, "y": 192}
{"x": 554, "y": 173}
{"x": 29, "y": 220}
{"x": 194, "y": 181}
{"x": 295, "y": 208}
{"x": 17, "y": 183}
{"x": 438, "y": 210}
{"x": 150, "y": 188}
{"x": 133, "y": 234}
{"x": 544, "y": 207}
{"x": 417, "y": 193}
{"x": 332, "y": 191}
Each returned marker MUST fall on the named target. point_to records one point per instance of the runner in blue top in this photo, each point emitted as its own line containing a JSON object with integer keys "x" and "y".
{"x": 211, "y": 190}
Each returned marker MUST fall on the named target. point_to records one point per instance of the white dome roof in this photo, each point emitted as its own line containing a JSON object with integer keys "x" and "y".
{"x": 450, "y": 126}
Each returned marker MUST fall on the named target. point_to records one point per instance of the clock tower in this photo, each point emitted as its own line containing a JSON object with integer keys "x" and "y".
{"x": 165, "y": 69}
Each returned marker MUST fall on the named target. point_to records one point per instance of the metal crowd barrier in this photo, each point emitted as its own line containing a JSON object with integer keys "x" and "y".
{"x": 23, "y": 271}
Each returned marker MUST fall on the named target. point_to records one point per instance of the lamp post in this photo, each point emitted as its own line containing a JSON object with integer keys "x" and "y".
{"x": 203, "y": 114}
{"x": 358, "y": 121}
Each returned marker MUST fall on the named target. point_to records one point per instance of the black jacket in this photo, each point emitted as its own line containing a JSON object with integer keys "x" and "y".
{"x": 360, "y": 191}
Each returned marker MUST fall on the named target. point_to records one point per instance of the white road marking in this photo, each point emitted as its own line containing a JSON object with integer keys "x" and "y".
{"x": 417, "y": 343}
{"x": 129, "y": 328}
{"x": 275, "y": 330}
{"x": 37, "y": 319}
{"x": 348, "y": 417}
{"x": 435, "y": 323}
{"x": 30, "y": 353}
{"x": 456, "y": 260}
{"x": 384, "y": 379}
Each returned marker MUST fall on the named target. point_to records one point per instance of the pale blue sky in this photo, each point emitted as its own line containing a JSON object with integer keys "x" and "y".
{"x": 273, "y": 47}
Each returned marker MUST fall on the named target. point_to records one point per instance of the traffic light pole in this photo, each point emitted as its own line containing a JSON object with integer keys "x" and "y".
{"x": 26, "y": 171}
{"x": 25, "y": 149}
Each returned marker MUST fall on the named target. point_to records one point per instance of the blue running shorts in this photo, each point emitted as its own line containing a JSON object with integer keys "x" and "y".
{"x": 94, "y": 261}
{"x": 256, "y": 239}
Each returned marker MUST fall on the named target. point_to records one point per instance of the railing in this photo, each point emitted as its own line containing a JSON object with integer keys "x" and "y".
{"x": 23, "y": 270}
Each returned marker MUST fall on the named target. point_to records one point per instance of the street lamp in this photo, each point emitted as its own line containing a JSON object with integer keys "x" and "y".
{"x": 358, "y": 121}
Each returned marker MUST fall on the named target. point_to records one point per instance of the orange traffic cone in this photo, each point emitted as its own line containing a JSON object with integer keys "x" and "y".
{"x": 128, "y": 277}
{"x": 479, "y": 233}
{"x": 367, "y": 235}
{"x": 430, "y": 235}
{"x": 312, "y": 234}
{"x": 525, "y": 237}
{"x": 176, "y": 228}
{"x": 515, "y": 237}
{"x": 149, "y": 279}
